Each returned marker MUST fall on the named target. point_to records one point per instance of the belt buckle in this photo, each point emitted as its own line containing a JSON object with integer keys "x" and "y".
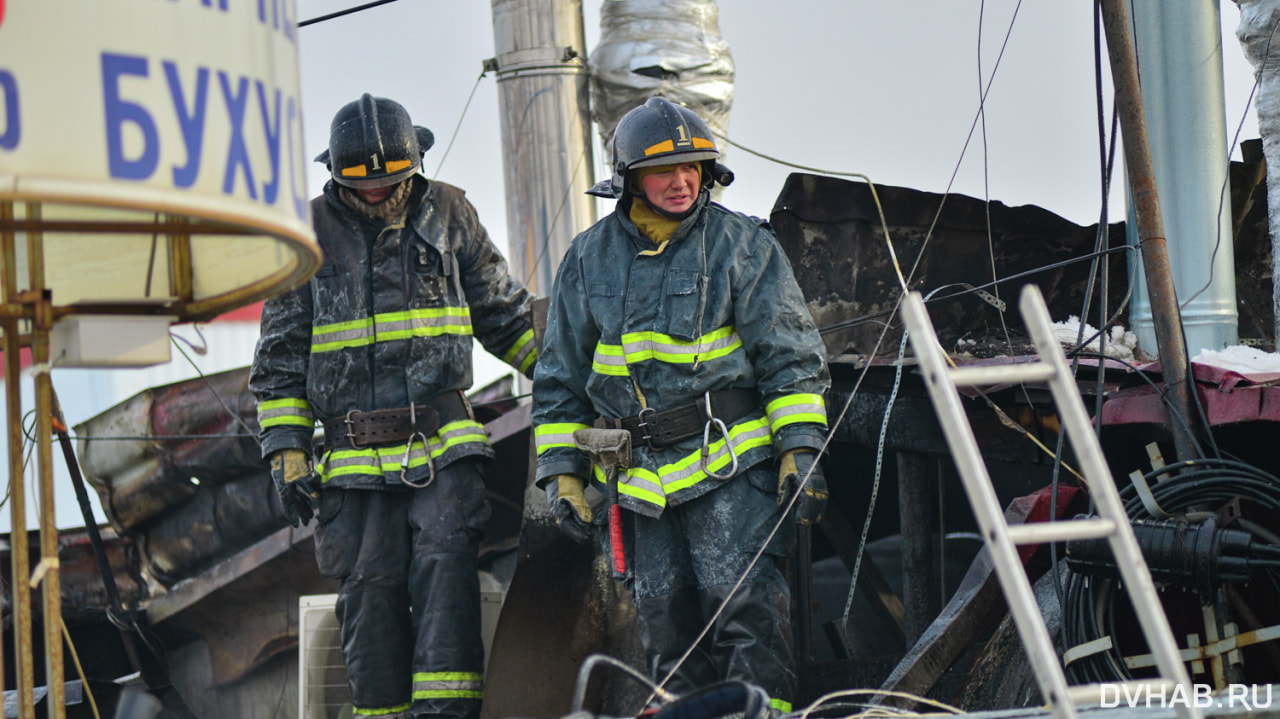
{"x": 351, "y": 429}
{"x": 643, "y": 424}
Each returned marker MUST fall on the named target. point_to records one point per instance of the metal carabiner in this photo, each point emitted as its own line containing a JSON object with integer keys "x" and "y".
{"x": 404, "y": 462}
{"x": 706, "y": 443}
{"x": 408, "y": 448}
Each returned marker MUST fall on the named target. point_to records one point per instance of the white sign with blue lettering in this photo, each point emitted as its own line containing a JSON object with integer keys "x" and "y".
{"x": 184, "y": 107}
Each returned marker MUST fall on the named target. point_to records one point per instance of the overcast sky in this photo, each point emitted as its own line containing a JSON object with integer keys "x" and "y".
{"x": 889, "y": 89}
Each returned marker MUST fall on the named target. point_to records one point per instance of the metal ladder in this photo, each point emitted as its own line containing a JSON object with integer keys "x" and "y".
{"x": 1001, "y": 539}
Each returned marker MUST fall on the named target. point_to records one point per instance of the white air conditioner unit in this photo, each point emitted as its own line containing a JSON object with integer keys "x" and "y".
{"x": 322, "y": 676}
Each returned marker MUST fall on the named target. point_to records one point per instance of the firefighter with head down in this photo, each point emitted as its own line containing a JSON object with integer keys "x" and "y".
{"x": 377, "y": 347}
{"x": 680, "y": 322}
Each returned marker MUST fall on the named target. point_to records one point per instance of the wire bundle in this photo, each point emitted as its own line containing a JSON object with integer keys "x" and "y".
{"x": 1191, "y": 489}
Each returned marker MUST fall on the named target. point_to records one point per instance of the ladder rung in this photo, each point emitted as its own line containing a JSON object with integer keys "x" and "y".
{"x": 986, "y": 375}
{"x": 1048, "y": 532}
{"x": 1115, "y": 692}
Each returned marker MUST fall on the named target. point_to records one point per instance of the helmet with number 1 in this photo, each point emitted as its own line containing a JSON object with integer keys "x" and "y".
{"x": 372, "y": 143}
{"x": 660, "y": 132}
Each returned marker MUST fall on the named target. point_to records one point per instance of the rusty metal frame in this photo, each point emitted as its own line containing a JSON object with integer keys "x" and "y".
{"x": 47, "y": 573}
{"x": 20, "y": 559}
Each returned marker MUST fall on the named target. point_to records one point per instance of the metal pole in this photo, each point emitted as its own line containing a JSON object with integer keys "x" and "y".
{"x": 19, "y": 559}
{"x": 1166, "y": 319}
{"x": 541, "y": 67}
{"x": 50, "y": 582}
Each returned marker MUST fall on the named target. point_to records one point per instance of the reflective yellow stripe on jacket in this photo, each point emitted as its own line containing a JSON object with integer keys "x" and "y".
{"x": 645, "y": 486}
{"x": 547, "y": 436}
{"x": 639, "y": 347}
{"x": 287, "y": 411}
{"x": 385, "y": 460}
{"x": 390, "y": 326}
{"x": 380, "y": 711}
{"x": 793, "y": 408}
{"x": 448, "y": 685}
{"x": 523, "y": 353}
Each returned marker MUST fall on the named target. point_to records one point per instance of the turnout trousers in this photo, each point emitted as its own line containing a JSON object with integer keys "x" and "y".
{"x": 409, "y": 599}
{"x": 681, "y": 568}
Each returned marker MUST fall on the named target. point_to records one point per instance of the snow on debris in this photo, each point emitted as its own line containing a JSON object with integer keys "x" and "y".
{"x": 1238, "y": 358}
{"x": 1120, "y": 343}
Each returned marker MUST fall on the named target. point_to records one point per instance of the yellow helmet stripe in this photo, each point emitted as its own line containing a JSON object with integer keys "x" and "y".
{"x": 398, "y": 165}
{"x": 664, "y": 146}
{"x": 357, "y": 171}
{"x": 701, "y": 144}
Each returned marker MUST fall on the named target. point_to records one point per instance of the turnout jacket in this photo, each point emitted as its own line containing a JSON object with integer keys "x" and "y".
{"x": 388, "y": 319}
{"x": 716, "y": 308}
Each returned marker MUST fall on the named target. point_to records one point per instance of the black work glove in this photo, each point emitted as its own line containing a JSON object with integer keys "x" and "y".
{"x": 296, "y": 484}
{"x": 794, "y": 466}
{"x": 568, "y": 506}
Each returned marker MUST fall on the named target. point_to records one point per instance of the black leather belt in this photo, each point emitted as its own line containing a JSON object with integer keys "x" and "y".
{"x": 382, "y": 426}
{"x": 659, "y": 428}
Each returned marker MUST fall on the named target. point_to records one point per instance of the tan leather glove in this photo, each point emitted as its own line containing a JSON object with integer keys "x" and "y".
{"x": 793, "y": 467}
{"x": 568, "y": 504}
{"x": 296, "y": 484}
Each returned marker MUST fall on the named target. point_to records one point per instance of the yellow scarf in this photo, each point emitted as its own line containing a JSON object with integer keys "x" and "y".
{"x": 652, "y": 225}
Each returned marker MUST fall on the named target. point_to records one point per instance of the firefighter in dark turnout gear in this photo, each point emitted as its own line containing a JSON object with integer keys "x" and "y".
{"x": 377, "y": 348}
{"x": 681, "y": 322}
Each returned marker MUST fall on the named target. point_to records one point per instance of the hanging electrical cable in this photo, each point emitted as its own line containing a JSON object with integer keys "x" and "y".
{"x": 456, "y": 128}
{"x": 1106, "y": 158}
{"x": 342, "y": 13}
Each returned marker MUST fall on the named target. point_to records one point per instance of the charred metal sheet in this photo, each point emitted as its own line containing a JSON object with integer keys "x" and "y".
{"x": 831, "y": 231}
{"x": 217, "y": 522}
{"x": 143, "y": 454}
{"x": 562, "y": 606}
{"x": 197, "y": 588}
{"x": 245, "y": 607}
{"x": 507, "y": 477}
{"x": 83, "y": 593}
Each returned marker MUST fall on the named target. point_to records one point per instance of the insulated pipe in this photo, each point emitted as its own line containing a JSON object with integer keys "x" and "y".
{"x": 1258, "y": 37}
{"x": 1179, "y": 49}
{"x": 541, "y": 68}
{"x": 1166, "y": 319}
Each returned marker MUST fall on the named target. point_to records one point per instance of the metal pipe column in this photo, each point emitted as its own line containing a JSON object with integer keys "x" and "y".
{"x": 48, "y": 573}
{"x": 1166, "y": 319}
{"x": 540, "y": 61}
{"x": 19, "y": 559}
{"x": 1179, "y": 49}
